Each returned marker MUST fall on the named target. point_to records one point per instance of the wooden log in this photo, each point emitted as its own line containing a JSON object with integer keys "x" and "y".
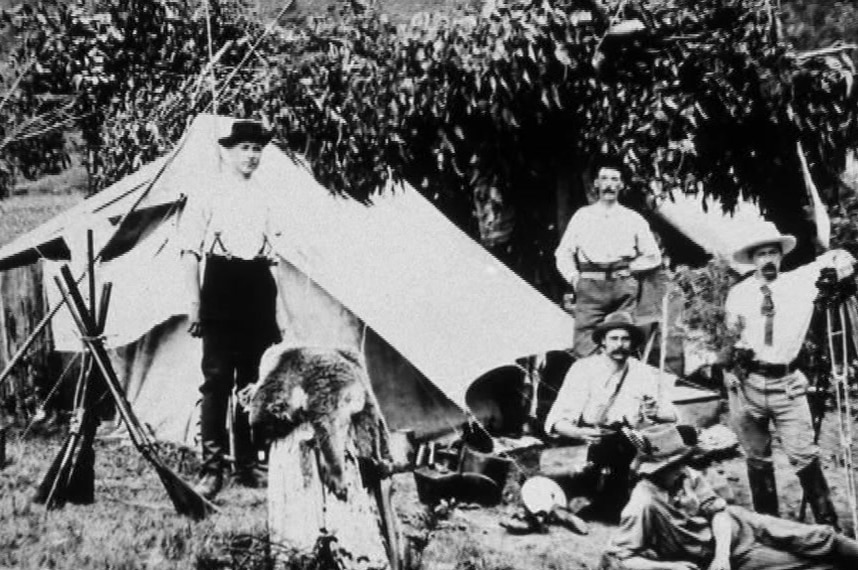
{"x": 22, "y": 305}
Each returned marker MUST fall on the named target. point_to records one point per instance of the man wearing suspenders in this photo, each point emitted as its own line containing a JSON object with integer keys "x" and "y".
{"x": 234, "y": 305}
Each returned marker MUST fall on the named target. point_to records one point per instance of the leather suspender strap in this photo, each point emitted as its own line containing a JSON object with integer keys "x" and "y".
{"x": 610, "y": 403}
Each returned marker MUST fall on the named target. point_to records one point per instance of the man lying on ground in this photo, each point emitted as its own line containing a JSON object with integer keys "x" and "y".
{"x": 674, "y": 520}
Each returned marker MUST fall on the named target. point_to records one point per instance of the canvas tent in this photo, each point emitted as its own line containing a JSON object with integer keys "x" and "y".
{"x": 706, "y": 224}
{"x": 430, "y": 309}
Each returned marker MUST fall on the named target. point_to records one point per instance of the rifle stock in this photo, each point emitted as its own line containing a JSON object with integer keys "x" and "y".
{"x": 184, "y": 498}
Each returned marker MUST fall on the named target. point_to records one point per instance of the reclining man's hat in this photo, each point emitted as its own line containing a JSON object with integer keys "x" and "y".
{"x": 768, "y": 234}
{"x": 619, "y": 320}
{"x": 246, "y": 131}
{"x": 662, "y": 445}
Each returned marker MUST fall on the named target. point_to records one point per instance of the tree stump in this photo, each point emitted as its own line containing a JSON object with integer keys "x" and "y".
{"x": 304, "y": 516}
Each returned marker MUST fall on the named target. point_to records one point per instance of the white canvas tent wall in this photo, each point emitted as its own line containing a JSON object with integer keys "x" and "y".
{"x": 429, "y": 307}
{"x": 717, "y": 232}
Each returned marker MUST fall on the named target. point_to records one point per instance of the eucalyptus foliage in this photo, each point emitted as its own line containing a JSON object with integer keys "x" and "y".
{"x": 703, "y": 96}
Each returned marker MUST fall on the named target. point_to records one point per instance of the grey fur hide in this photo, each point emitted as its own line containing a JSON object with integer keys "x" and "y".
{"x": 330, "y": 389}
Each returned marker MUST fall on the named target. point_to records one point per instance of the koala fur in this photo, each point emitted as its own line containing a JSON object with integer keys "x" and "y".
{"x": 330, "y": 389}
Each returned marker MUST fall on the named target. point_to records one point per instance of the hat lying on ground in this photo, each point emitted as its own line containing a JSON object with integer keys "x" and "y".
{"x": 619, "y": 320}
{"x": 767, "y": 234}
{"x": 662, "y": 445}
{"x": 246, "y": 131}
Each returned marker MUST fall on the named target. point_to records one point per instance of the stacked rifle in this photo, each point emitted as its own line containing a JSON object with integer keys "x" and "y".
{"x": 70, "y": 477}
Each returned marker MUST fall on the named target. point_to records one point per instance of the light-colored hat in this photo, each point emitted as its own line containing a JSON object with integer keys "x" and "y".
{"x": 619, "y": 320}
{"x": 768, "y": 234}
{"x": 541, "y": 495}
{"x": 660, "y": 446}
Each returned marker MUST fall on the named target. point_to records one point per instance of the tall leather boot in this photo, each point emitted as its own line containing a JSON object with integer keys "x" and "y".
{"x": 764, "y": 491}
{"x": 818, "y": 496}
{"x": 246, "y": 471}
{"x": 212, "y": 470}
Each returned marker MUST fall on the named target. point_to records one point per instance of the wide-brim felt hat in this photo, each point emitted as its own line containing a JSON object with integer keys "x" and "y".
{"x": 246, "y": 131}
{"x": 619, "y": 320}
{"x": 660, "y": 446}
{"x": 767, "y": 235}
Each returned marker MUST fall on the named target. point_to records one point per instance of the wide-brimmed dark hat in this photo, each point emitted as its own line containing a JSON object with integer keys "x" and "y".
{"x": 619, "y": 320}
{"x": 246, "y": 131}
{"x": 662, "y": 445}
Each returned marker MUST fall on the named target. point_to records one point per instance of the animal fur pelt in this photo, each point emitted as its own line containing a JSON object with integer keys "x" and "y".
{"x": 330, "y": 389}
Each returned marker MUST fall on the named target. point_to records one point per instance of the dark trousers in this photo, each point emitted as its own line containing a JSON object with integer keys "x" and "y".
{"x": 230, "y": 358}
{"x": 237, "y": 316}
{"x": 605, "y": 480}
{"x": 595, "y": 299}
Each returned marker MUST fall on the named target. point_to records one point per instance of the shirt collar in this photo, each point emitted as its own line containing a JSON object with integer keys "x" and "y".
{"x": 759, "y": 282}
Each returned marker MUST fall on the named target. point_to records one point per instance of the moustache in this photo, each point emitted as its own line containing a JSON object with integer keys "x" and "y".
{"x": 620, "y": 352}
{"x": 769, "y": 267}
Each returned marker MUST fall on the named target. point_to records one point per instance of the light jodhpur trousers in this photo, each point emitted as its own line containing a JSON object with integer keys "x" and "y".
{"x": 760, "y": 401}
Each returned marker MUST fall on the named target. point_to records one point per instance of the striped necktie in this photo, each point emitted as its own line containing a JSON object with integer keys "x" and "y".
{"x": 768, "y": 311}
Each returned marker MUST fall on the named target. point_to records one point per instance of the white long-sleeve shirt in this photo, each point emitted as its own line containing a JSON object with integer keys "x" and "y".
{"x": 232, "y": 219}
{"x": 606, "y": 234}
{"x": 589, "y": 384}
{"x": 792, "y": 293}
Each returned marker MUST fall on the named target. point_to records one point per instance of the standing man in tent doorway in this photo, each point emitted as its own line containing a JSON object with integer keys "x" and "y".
{"x": 233, "y": 308}
{"x": 604, "y": 248}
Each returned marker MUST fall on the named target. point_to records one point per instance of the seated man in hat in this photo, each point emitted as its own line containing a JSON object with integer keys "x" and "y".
{"x": 674, "y": 520}
{"x": 773, "y": 311}
{"x": 600, "y": 394}
{"x": 604, "y": 249}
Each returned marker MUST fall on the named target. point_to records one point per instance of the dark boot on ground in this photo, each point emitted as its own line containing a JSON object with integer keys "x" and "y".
{"x": 818, "y": 495}
{"x": 764, "y": 491}
{"x": 250, "y": 476}
{"x": 212, "y": 470}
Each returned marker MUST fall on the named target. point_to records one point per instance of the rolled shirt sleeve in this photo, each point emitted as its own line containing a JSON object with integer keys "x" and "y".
{"x": 564, "y": 255}
{"x": 192, "y": 228}
{"x": 571, "y": 399}
{"x": 649, "y": 254}
{"x": 604, "y": 236}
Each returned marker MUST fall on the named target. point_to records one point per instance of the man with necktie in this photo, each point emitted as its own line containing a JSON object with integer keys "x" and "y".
{"x": 772, "y": 311}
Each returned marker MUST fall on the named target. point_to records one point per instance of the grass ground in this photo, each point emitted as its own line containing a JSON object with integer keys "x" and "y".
{"x": 132, "y": 524}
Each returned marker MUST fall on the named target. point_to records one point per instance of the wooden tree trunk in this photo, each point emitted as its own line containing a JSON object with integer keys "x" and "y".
{"x": 301, "y": 510}
{"x": 22, "y": 306}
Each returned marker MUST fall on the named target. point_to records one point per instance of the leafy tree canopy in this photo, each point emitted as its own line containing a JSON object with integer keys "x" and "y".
{"x": 696, "y": 96}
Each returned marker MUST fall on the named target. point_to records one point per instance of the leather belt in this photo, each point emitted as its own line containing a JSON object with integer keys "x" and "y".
{"x": 605, "y": 275}
{"x": 772, "y": 370}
